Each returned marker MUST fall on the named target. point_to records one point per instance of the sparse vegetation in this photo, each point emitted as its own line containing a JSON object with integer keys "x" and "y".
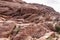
{"x": 57, "y": 27}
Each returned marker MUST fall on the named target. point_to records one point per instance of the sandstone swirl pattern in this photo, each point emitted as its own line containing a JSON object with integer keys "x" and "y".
{"x": 26, "y": 21}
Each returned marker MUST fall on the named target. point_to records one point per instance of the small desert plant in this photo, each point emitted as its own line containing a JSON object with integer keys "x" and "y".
{"x": 57, "y": 27}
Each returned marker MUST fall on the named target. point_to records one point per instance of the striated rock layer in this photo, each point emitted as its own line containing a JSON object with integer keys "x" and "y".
{"x": 26, "y": 21}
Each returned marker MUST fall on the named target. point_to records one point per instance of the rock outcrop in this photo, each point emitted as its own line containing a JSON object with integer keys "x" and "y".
{"x": 27, "y": 21}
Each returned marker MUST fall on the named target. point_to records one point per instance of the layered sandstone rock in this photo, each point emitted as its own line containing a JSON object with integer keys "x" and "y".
{"x": 26, "y": 21}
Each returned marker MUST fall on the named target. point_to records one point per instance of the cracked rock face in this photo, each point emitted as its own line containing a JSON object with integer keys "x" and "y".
{"x": 26, "y": 21}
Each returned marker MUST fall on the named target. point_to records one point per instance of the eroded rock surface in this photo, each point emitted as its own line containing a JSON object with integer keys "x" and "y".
{"x": 26, "y": 21}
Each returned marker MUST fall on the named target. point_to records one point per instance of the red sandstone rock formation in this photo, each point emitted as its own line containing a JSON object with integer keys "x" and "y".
{"x": 26, "y": 21}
